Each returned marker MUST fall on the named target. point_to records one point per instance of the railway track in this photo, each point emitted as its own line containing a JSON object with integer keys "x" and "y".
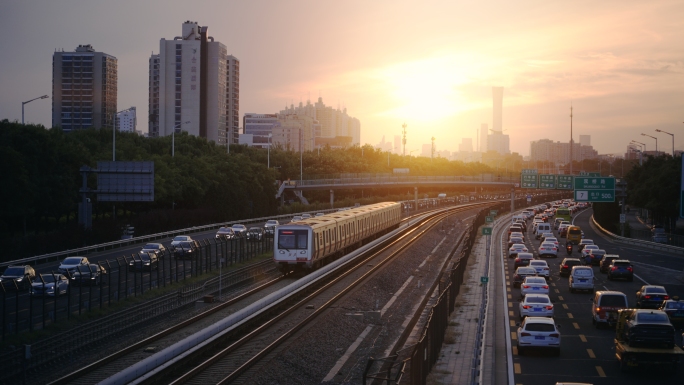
{"x": 238, "y": 358}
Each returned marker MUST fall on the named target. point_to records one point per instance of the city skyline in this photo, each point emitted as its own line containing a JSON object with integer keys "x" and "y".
{"x": 431, "y": 66}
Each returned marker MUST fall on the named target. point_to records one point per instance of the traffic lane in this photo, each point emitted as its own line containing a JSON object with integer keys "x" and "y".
{"x": 592, "y": 359}
{"x": 639, "y": 254}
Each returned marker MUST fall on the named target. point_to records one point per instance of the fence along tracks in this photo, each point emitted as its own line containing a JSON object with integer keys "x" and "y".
{"x": 246, "y": 348}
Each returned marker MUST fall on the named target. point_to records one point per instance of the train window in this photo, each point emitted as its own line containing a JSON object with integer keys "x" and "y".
{"x": 293, "y": 239}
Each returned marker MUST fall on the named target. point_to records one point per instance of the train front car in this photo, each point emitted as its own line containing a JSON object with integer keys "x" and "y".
{"x": 292, "y": 247}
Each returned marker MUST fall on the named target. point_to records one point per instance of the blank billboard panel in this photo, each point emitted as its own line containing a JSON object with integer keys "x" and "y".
{"x": 125, "y": 181}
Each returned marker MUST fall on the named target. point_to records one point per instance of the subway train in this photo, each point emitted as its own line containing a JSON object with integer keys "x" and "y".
{"x": 311, "y": 243}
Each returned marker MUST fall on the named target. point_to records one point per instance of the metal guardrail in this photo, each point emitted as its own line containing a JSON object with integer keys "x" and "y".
{"x": 639, "y": 242}
{"x": 405, "y": 179}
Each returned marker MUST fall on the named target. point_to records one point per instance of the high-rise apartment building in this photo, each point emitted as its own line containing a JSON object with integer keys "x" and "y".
{"x": 84, "y": 89}
{"x": 194, "y": 87}
{"x": 497, "y": 109}
{"x": 126, "y": 121}
{"x": 585, "y": 140}
{"x": 336, "y": 122}
{"x": 559, "y": 152}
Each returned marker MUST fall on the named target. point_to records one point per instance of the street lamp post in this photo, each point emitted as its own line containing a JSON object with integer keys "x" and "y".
{"x": 656, "y": 139}
{"x": 173, "y": 138}
{"x": 641, "y": 153}
{"x": 269, "y": 151}
{"x": 672, "y": 135}
{"x": 23, "y": 103}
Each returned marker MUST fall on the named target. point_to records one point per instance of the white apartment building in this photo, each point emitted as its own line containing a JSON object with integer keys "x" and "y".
{"x": 126, "y": 120}
{"x": 194, "y": 87}
{"x": 559, "y": 152}
{"x": 336, "y": 122}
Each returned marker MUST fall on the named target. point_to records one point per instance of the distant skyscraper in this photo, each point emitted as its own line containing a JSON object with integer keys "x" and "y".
{"x": 484, "y": 132}
{"x": 585, "y": 140}
{"x": 466, "y": 145}
{"x": 498, "y": 142}
{"x": 497, "y": 108}
{"x": 127, "y": 120}
{"x": 84, "y": 89}
{"x": 194, "y": 80}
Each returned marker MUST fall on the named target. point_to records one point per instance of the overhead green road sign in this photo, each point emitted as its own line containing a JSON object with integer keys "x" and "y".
{"x": 528, "y": 181}
{"x": 493, "y": 212}
{"x": 594, "y": 189}
{"x": 547, "y": 181}
{"x": 486, "y": 231}
{"x": 590, "y": 174}
{"x": 564, "y": 182}
{"x": 489, "y": 219}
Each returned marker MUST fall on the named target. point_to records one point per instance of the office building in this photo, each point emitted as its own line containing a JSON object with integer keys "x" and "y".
{"x": 498, "y": 142}
{"x": 558, "y": 152}
{"x": 84, "y": 89}
{"x": 194, "y": 87}
{"x": 126, "y": 121}
{"x": 484, "y": 132}
{"x": 585, "y": 140}
{"x": 258, "y": 127}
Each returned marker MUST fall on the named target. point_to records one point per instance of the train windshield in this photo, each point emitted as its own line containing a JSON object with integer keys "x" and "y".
{"x": 293, "y": 239}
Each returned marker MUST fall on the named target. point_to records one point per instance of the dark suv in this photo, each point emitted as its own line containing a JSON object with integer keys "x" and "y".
{"x": 567, "y": 264}
{"x": 651, "y": 296}
{"x": 621, "y": 268}
{"x": 22, "y": 275}
{"x": 186, "y": 250}
{"x": 606, "y": 261}
{"x": 649, "y": 328}
{"x": 144, "y": 261}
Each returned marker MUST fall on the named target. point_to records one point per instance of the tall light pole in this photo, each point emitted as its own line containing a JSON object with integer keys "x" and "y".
{"x": 641, "y": 155}
{"x": 23, "y": 103}
{"x": 269, "y": 151}
{"x": 173, "y": 138}
{"x": 570, "y": 138}
{"x": 114, "y": 133}
{"x": 656, "y": 139}
{"x": 672, "y": 135}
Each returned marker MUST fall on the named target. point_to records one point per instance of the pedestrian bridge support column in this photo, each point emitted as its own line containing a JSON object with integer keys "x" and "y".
{"x": 415, "y": 197}
{"x": 332, "y": 199}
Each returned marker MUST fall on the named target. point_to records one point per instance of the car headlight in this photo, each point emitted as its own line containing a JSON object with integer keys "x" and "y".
{"x": 131, "y": 263}
{"x": 147, "y": 263}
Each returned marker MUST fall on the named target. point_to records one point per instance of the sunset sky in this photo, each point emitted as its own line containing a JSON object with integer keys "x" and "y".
{"x": 430, "y": 64}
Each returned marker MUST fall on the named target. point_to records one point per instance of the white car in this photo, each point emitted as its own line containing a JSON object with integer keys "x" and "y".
{"x": 296, "y": 218}
{"x": 553, "y": 240}
{"x": 583, "y": 243}
{"x": 70, "y": 264}
{"x": 516, "y": 249}
{"x": 536, "y": 305}
{"x": 306, "y": 216}
{"x": 587, "y": 249}
{"x": 541, "y": 267}
{"x": 513, "y": 240}
{"x": 538, "y": 332}
{"x": 181, "y": 238}
{"x": 548, "y": 249}
{"x": 240, "y": 230}
{"x": 517, "y": 234}
{"x": 534, "y": 285}
{"x": 542, "y": 237}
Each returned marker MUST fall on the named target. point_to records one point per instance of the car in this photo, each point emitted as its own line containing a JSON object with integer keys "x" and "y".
{"x": 651, "y": 296}
{"x": 514, "y": 240}
{"x": 240, "y": 230}
{"x": 605, "y": 306}
{"x": 541, "y": 267}
{"x": 156, "y": 248}
{"x": 521, "y": 273}
{"x": 541, "y": 229}
{"x": 319, "y": 214}
{"x": 144, "y": 261}
{"x": 270, "y": 227}
{"x": 226, "y": 233}
{"x": 584, "y": 242}
{"x": 563, "y": 230}
{"x": 649, "y": 328}
{"x": 298, "y": 218}
{"x": 178, "y": 239}
{"x": 21, "y": 275}
{"x": 567, "y": 265}
{"x": 534, "y": 285}
{"x": 90, "y": 275}
{"x": 255, "y": 234}
{"x": 587, "y": 249}
{"x": 674, "y": 308}
{"x": 186, "y": 250}
{"x": 543, "y": 237}
{"x": 606, "y": 261}
{"x": 621, "y": 268}
{"x": 515, "y": 229}
{"x": 69, "y": 265}
{"x": 536, "y": 305}
{"x": 516, "y": 249}
{"x": 517, "y": 235}
{"x": 581, "y": 278}
{"x": 523, "y": 259}
{"x": 49, "y": 285}
{"x": 595, "y": 255}
{"x": 660, "y": 238}
{"x": 548, "y": 249}
{"x": 551, "y": 239}
{"x": 306, "y": 216}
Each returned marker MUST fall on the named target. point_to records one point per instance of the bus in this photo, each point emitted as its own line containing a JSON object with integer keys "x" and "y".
{"x": 564, "y": 213}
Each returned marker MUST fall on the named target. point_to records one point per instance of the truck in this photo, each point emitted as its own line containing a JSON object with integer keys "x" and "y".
{"x": 638, "y": 356}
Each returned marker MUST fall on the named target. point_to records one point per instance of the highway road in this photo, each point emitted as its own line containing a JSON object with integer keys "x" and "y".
{"x": 587, "y": 353}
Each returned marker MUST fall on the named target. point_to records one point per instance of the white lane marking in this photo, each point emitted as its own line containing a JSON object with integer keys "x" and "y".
{"x": 394, "y": 297}
{"x": 438, "y": 245}
{"x": 333, "y": 372}
{"x": 641, "y": 279}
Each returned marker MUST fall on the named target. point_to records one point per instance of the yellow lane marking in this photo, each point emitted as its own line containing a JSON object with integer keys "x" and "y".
{"x": 510, "y": 304}
{"x": 570, "y": 315}
{"x": 512, "y": 322}
{"x": 556, "y": 290}
{"x": 553, "y": 284}
{"x": 515, "y": 350}
{"x": 591, "y": 353}
{"x": 565, "y": 306}
{"x": 518, "y": 370}
{"x": 560, "y": 298}
{"x": 511, "y": 313}
{"x": 508, "y": 289}
{"x": 514, "y": 335}
{"x": 584, "y": 339}
{"x": 575, "y": 325}
{"x": 600, "y": 371}
{"x": 510, "y": 296}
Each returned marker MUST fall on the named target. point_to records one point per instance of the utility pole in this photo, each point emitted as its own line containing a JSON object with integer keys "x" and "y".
{"x": 570, "y": 138}
{"x": 403, "y": 140}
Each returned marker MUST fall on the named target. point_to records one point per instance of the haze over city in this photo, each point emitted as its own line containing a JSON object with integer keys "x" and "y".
{"x": 431, "y": 65}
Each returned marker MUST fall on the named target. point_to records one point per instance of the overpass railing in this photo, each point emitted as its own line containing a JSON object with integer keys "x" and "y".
{"x": 405, "y": 179}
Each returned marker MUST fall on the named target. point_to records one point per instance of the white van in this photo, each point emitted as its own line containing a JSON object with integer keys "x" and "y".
{"x": 542, "y": 228}
{"x": 581, "y": 278}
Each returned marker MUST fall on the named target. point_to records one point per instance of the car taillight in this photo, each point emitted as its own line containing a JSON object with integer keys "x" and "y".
{"x": 613, "y": 268}
{"x": 546, "y": 268}
{"x": 667, "y": 297}
{"x": 566, "y": 266}
{"x": 550, "y": 307}
{"x": 526, "y": 306}
{"x": 647, "y": 297}
{"x": 629, "y": 269}
{"x": 556, "y": 335}
{"x": 517, "y": 259}
{"x": 524, "y": 334}
{"x": 545, "y": 287}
